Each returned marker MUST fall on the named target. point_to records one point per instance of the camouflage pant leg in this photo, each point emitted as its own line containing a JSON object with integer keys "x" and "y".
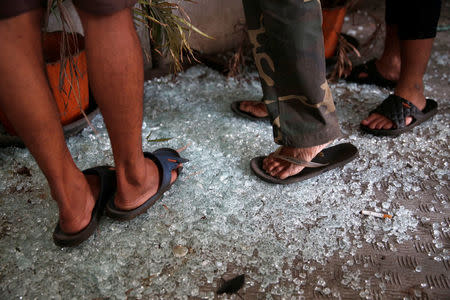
{"x": 258, "y": 40}
{"x": 289, "y": 54}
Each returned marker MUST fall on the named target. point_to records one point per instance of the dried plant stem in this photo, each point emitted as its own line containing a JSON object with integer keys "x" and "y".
{"x": 169, "y": 27}
{"x": 237, "y": 61}
{"x": 183, "y": 148}
{"x": 343, "y": 63}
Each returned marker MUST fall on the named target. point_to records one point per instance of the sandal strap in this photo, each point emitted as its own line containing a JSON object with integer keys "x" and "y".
{"x": 299, "y": 162}
{"x": 166, "y": 160}
{"x": 396, "y": 109}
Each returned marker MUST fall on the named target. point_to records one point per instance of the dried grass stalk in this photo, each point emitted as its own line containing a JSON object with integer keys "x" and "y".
{"x": 343, "y": 64}
{"x": 68, "y": 49}
{"x": 170, "y": 28}
{"x": 237, "y": 61}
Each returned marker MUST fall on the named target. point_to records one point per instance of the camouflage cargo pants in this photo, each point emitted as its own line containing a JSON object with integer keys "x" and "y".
{"x": 288, "y": 50}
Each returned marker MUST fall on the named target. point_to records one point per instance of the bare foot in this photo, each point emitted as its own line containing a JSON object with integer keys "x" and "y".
{"x": 257, "y": 109}
{"x": 390, "y": 70}
{"x": 133, "y": 193}
{"x": 412, "y": 94}
{"x": 75, "y": 216}
{"x": 282, "y": 169}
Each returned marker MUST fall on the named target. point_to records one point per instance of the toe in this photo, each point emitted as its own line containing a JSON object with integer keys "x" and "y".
{"x": 269, "y": 159}
{"x": 244, "y": 106}
{"x": 369, "y": 119}
{"x": 381, "y": 124}
{"x": 266, "y": 162}
{"x": 271, "y": 166}
{"x": 372, "y": 123}
{"x": 375, "y": 122}
{"x": 277, "y": 170}
{"x": 283, "y": 175}
{"x": 408, "y": 120}
{"x": 388, "y": 124}
{"x": 287, "y": 172}
{"x": 175, "y": 173}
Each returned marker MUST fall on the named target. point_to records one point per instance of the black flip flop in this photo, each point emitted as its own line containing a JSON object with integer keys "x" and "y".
{"x": 396, "y": 109}
{"x": 373, "y": 76}
{"x": 235, "y": 108}
{"x": 328, "y": 159}
{"x": 107, "y": 190}
{"x": 166, "y": 160}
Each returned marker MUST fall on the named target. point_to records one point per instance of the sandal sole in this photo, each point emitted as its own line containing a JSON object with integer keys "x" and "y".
{"x": 335, "y": 156}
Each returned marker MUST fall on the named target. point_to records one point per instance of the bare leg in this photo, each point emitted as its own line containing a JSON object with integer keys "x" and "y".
{"x": 389, "y": 63}
{"x": 116, "y": 76}
{"x": 27, "y": 101}
{"x": 414, "y": 59}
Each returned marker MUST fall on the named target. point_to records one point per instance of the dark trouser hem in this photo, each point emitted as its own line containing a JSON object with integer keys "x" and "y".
{"x": 415, "y": 19}
{"x": 310, "y": 139}
{"x": 417, "y": 35}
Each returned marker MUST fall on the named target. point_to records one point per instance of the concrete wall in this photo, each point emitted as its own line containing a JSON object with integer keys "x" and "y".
{"x": 54, "y": 25}
{"x": 219, "y": 19}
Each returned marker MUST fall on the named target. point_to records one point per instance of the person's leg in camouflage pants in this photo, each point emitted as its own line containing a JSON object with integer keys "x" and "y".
{"x": 289, "y": 54}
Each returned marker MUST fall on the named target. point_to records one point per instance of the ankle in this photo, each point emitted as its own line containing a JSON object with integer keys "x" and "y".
{"x": 390, "y": 60}
{"x": 389, "y": 67}
{"x": 134, "y": 179}
{"x": 411, "y": 91}
{"x": 131, "y": 172}
{"x": 63, "y": 183}
{"x": 75, "y": 202}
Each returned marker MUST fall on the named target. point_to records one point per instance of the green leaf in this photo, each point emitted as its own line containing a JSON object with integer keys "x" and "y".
{"x": 156, "y": 140}
{"x": 159, "y": 140}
